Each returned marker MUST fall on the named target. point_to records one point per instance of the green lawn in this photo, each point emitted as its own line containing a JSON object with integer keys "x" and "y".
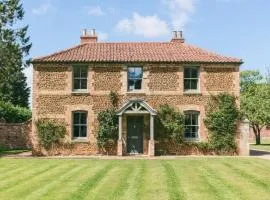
{"x": 265, "y": 145}
{"x": 12, "y": 151}
{"x": 184, "y": 178}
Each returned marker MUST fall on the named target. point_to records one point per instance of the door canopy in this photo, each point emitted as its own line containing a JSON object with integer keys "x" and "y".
{"x": 136, "y": 107}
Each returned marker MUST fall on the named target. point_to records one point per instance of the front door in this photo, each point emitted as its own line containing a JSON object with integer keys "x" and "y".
{"x": 135, "y": 134}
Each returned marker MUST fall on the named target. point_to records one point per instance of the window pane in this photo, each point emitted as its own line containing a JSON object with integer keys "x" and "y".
{"x": 76, "y": 131}
{"x": 194, "y": 84}
{"x": 76, "y": 84}
{"x": 138, "y": 84}
{"x": 194, "y": 119}
{"x": 186, "y": 84}
{"x": 187, "y": 73}
{"x": 131, "y": 72}
{"x": 138, "y": 72}
{"x": 83, "y": 131}
{"x": 187, "y": 119}
{"x": 76, "y": 72}
{"x": 194, "y": 73}
{"x": 193, "y": 134}
{"x": 131, "y": 85}
{"x": 84, "y": 72}
{"x": 83, "y": 84}
{"x": 83, "y": 118}
{"x": 76, "y": 118}
{"x": 187, "y": 132}
{"x": 194, "y": 129}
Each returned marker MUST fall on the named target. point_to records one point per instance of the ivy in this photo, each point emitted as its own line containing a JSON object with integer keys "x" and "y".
{"x": 169, "y": 124}
{"x": 50, "y": 133}
{"x": 108, "y": 127}
{"x": 221, "y": 120}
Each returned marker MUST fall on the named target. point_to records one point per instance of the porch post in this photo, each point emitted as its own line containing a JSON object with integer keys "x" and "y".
{"x": 151, "y": 127}
{"x": 151, "y": 145}
{"x": 119, "y": 142}
{"x": 120, "y": 127}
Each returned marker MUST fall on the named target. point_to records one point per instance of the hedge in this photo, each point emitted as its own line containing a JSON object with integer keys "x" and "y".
{"x": 13, "y": 114}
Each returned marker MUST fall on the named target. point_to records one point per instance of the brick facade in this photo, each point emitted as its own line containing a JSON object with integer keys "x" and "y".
{"x": 162, "y": 83}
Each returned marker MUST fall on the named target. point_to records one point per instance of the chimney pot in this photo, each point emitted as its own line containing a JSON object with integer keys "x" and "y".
{"x": 177, "y": 36}
{"x": 88, "y": 36}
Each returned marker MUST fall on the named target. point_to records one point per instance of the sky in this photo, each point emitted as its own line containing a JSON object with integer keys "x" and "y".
{"x": 237, "y": 28}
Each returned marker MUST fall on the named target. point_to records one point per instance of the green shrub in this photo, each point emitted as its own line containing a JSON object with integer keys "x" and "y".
{"x": 13, "y": 114}
{"x": 169, "y": 124}
{"x": 221, "y": 120}
{"x": 114, "y": 98}
{"x": 50, "y": 133}
{"x": 108, "y": 127}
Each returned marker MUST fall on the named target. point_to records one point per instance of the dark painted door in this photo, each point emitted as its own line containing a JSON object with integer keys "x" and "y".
{"x": 135, "y": 134}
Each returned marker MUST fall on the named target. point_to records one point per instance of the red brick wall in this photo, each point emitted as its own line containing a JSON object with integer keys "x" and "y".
{"x": 265, "y": 134}
{"x": 15, "y": 135}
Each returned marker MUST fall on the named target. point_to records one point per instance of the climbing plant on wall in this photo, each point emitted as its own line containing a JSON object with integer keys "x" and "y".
{"x": 221, "y": 120}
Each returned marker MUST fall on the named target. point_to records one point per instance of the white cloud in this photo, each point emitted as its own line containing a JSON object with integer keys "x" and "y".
{"x": 42, "y": 9}
{"x": 147, "y": 26}
{"x": 95, "y": 11}
{"x": 180, "y": 12}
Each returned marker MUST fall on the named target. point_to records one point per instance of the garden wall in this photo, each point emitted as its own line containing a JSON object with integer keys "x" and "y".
{"x": 15, "y": 135}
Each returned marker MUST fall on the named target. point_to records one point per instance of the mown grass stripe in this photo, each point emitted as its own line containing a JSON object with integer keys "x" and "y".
{"x": 248, "y": 176}
{"x": 63, "y": 176}
{"x": 16, "y": 170}
{"x": 132, "y": 184}
{"x": 208, "y": 182}
{"x": 140, "y": 180}
{"x": 90, "y": 183}
{"x": 11, "y": 183}
{"x": 173, "y": 185}
{"x": 34, "y": 182}
{"x": 123, "y": 184}
{"x": 228, "y": 191}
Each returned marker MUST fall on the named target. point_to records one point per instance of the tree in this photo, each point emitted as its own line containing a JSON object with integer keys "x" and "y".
{"x": 14, "y": 47}
{"x": 248, "y": 78}
{"x": 255, "y": 101}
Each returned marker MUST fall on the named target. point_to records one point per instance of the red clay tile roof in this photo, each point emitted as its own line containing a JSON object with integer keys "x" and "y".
{"x": 136, "y": 52}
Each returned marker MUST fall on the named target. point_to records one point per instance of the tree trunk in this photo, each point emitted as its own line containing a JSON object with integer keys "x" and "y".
{"x": 258, "y": 134}
{"x": 258, "y": 139}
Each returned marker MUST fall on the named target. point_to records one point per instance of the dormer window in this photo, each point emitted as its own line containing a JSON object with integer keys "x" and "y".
{"x": 135, "y": 75}
{"x": 191, "y": 79}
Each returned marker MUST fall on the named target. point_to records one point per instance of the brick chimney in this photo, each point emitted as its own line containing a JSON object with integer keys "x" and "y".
{"x": 88, "y": 36}
{"x": 177, "y": 36}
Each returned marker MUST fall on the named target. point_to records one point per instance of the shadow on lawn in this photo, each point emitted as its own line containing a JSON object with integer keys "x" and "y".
{"x": 259, "y": 153}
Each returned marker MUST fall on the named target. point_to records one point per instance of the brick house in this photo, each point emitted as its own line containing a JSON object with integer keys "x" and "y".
{"x": 72, "y": 86}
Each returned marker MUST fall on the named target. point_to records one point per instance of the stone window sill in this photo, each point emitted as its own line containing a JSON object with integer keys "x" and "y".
{"x": 80, "y": 92}
{"x": 192, "y": 93}
{"x": 192, "y": 139}
{"x": 136, "y": 92}
{"x": 79, "y": 140}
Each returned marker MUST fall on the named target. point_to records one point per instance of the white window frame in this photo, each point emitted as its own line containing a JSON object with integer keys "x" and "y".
{"x": 80, "y": 78}
{"x": 198, "y": 78}
{"x": 197, "y": 138}
{"x": 78, "y": 138}
{"x": 135, "y": 90}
